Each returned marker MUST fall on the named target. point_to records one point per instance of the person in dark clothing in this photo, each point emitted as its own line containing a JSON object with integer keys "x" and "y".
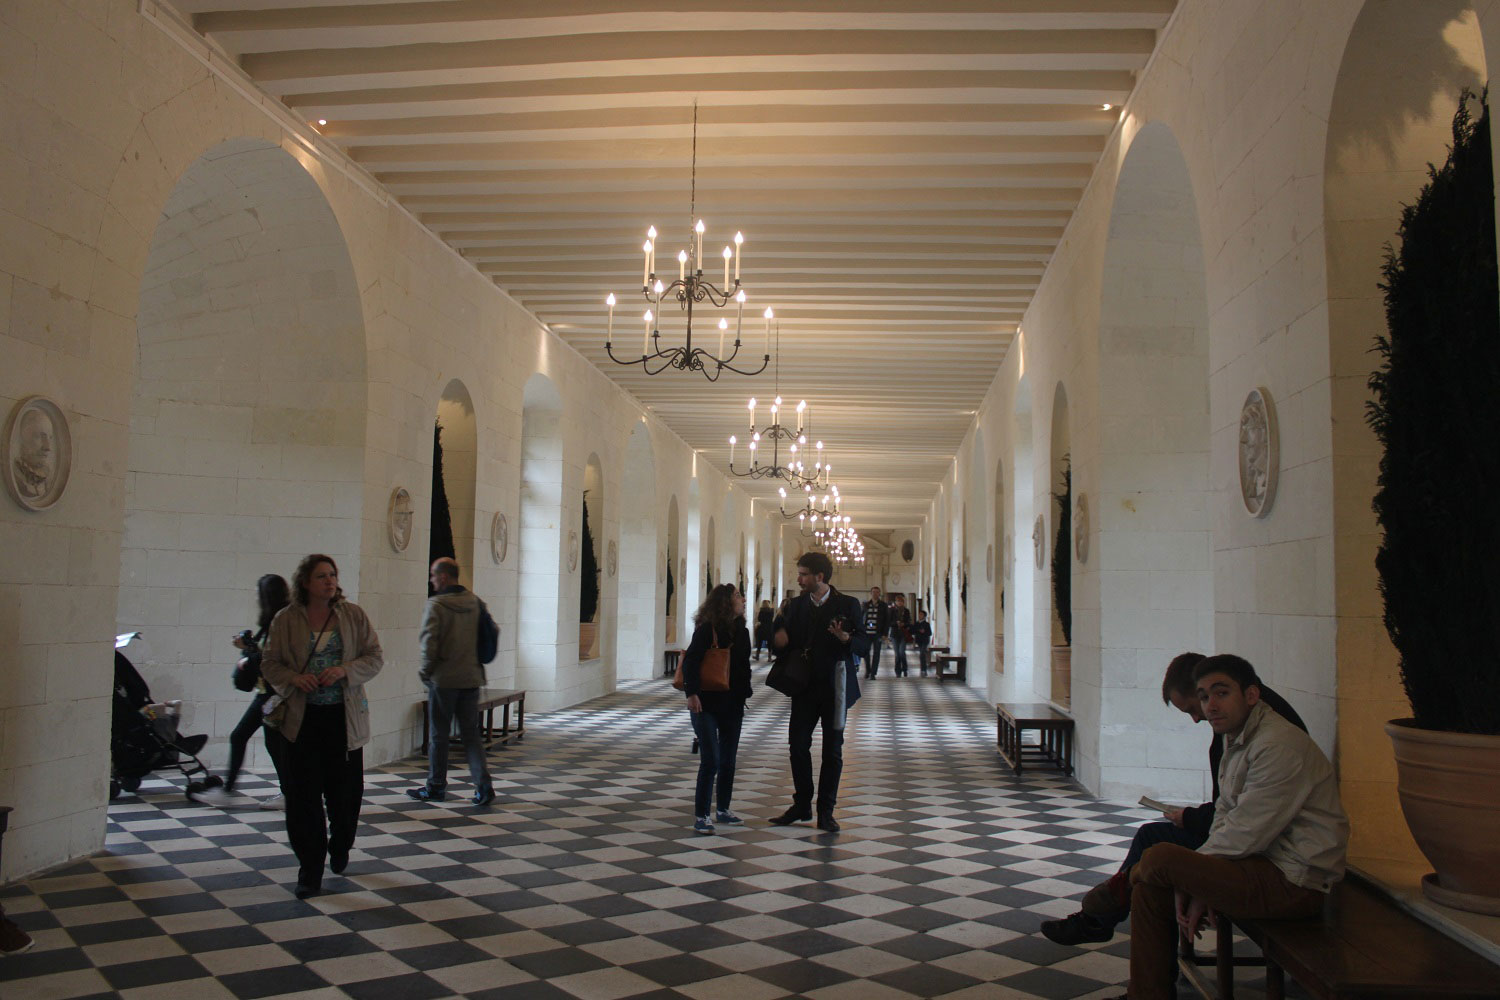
{"x": 763, "y": 621}
{"x": 821, "y": 621}
{"x": 876, "y": 615}
{"x": 900, "y": 633}
{"x": 717, "y": 715}
{"x": 273, "y": 595}
{"x": 1108, "y": 904}
{"x": 921, "y": 634}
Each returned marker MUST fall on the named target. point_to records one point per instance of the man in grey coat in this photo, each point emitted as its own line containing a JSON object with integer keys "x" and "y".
{"x": 453, "y": 675}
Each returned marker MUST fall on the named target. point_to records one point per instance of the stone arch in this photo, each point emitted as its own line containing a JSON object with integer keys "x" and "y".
{"x": 247, "y": 430}
{"x": 637, "y": 594}
{"x": 1059, "y": 459}
{"x": 460, "y": 440}
{"x": 540, "y": 587}
{"x": 1398, "y": 82}
{"x": 1151, "y": 531}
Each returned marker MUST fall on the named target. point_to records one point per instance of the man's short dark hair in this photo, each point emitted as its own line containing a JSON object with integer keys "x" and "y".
{"x": 1179, "y": 678}
{"x": 818, "y": 564}
{"x": 1237, "y": 668}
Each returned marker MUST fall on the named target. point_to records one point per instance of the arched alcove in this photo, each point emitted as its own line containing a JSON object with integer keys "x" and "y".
{"x": 1400, "y": 76}
{"x": 247, "y": 430}
{"x": 540, "y": 590}
{"x": 590, "y": 570}
{"x": 999, "y": 565}
{"x": 1024, "y": 614}
{"x": 637, "y": 594}
{"x": 458, "y": 435}
{"x": 690, "y": 567}
{"x": 1151, "y": 542}
{"x": 1059, "y": 569}
{"x": 711, "y": 568}
{"x": 672, "y": 577}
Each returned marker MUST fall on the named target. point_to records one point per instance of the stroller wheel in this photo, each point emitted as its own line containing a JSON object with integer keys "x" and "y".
{"x": 130, "y": 784}
{"x": 213, "y": 781}
{"x": 114, "y": 789}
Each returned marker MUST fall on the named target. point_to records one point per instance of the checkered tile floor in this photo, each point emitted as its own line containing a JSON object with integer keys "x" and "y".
{"x": 585, "y": 881}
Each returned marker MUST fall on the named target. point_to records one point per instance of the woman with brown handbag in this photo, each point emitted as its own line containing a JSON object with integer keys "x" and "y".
{"x": 716, "y": 680}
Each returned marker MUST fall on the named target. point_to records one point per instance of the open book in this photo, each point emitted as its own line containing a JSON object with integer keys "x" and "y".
{"x": 1151, "y": 803}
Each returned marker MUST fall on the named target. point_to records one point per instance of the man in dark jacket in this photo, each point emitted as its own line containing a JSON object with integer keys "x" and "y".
{"x": 453, "y": 675}
{"x": 1108, "y": 904}
{"x": 877, "y": 618}
{"x": 821, "y": 621}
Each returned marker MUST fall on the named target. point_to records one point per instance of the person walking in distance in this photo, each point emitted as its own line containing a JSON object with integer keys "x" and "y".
{"x": 453, "y": 675}
{"x": 877, "y": 618}
{"x": 822, "y": 622}
{"x": 921, "y": 633}
{"x": 900, "y": 633}
{"x": 763, "y": 619}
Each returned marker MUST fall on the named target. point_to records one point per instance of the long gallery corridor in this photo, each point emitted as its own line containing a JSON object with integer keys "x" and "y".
{"x": 585, "y": 880}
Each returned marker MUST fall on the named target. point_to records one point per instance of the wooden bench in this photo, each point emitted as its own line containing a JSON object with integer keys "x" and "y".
{"x": 960, "y": 669}
{"x": 1055, "y": 731}
{"x": 1364, "y": 947}
{"x": 489, "y": 700}
{"x": 670, "y": 658}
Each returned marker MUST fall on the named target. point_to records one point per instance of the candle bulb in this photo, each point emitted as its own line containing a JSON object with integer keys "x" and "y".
{"x": 752, "y": 414}
{"x": 698, "y": 256}
{"x": 723, "y": 328}
{"x": 646, "y": 267}
{"x": 727, "y": 254}
{"x": 769, "y": 316}
{"x": 801, "y": 407}
{"x": 611, "y": 303}
{"x": 739, "y": 238}
{"x": 651, "y": 235}
{"x": 658, "y": 289}
{"x": 731, "y": 451}
{"x": 681, "y": 264}
{"x": 646, "y": 337}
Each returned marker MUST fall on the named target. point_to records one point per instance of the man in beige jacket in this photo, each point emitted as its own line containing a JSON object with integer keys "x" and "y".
{"x": 453, "y": 675}
{"x": 1277, "y": 843}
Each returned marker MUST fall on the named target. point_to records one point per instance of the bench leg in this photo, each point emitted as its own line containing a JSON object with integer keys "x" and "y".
{"x": 521, "y": 719}
{"x": 1275, "y": 981}
{"x": 1224, "y": 966}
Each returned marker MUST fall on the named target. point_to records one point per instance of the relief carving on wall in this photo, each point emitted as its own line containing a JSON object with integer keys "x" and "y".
{"x": 37, "y": 453}
{"x": 612, "y": 561}
{"x": 989, "y": 564}
{"x": 1039, "y": 541}
{"x": 398, "y": 519}
{"x": 499, "y": 537}
{"x": 1260, "y": 452}
{"x": 572, "y": 550}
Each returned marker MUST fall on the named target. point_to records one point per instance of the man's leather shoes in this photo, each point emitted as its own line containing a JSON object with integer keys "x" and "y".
{"x": 827, "y": 823}
{"x": 792, "y": 815}
{"x": 338, "y": 862}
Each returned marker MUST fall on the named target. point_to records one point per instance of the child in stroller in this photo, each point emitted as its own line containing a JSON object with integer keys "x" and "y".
{"x": 143, "y": 733}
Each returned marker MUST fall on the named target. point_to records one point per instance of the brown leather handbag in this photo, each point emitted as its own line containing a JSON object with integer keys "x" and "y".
{"x": 713, "y": 672}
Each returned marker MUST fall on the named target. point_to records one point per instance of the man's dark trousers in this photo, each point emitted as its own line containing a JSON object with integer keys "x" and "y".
{"x": 443, "y": 706}
{"x": 872, "y": 659}
{"x": 810, "y": 710}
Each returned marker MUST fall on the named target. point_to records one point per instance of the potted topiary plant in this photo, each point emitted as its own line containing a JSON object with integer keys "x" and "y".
{"x": 671, "y": 611}
{"x": 1062, "y": 590}
{"x": 1439, "y": 560}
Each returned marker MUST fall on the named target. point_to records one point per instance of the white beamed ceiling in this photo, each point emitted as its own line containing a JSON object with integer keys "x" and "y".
{"x": 902, "y": 172}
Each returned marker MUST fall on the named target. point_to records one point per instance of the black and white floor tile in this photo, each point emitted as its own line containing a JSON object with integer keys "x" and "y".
{"x": 584, "y": 880}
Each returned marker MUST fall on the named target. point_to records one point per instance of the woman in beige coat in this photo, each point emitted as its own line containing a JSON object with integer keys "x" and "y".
{"x": 320, "y": 653}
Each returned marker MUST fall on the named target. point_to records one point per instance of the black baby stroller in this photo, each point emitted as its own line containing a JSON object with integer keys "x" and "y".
{"x": 143, "y": 734}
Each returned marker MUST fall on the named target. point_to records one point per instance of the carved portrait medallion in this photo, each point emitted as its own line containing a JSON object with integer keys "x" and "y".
{"x": 1039, "y": 541}
{"x": 398, "y": 516}
{"x": 1260, "y": 452}
{"x": 38, "y": 453}
{"x": 499, "y": 537}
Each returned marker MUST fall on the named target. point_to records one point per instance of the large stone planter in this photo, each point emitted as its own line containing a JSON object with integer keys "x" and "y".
{"x": 588, "y": 640}
{"x": 1062, "y": 675}
{"x": 1449, "y": 785}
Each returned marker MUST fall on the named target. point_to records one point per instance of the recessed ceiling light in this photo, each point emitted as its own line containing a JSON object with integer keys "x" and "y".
{"x": 324, "y": 121}
{"x": 1109, "y": 107}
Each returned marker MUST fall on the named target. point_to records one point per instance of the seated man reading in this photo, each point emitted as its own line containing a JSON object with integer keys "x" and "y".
{"x": 1108, "y": 903}
{"x": 1277, "y": 844}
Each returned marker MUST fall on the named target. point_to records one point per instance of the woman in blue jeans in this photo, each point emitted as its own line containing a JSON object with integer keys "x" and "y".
{"x": 717, "y": 715}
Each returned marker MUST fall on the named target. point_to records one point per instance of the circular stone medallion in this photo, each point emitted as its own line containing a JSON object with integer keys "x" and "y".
{"x": 37, "y": 453}
{"x": 1039, "y": 541}
{"x": 499, "y": 537}
{"x": 398, "y": 519}
{"x": 1260, "y": 452}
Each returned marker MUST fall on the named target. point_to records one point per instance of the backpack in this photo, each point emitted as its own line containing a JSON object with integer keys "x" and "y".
{"x": 488, "y": 643}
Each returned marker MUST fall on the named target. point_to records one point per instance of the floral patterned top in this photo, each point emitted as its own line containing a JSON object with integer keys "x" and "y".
{"x": 329, "y": 654}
